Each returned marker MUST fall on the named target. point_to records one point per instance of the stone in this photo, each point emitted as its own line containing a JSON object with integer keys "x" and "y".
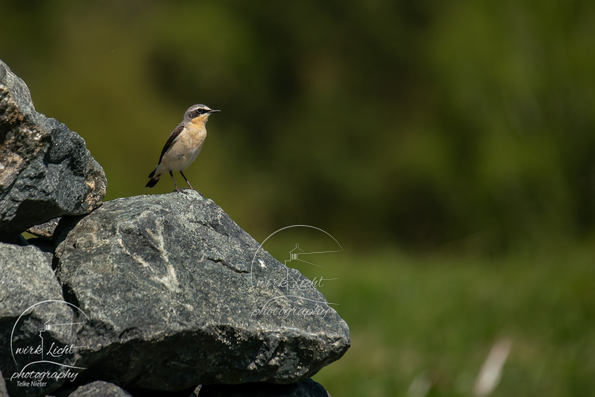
{"x": 45, "y": 230}
{"x": 177, "y": 294}
{"x": 305, "y": 388}
{"x": 45, "y": 246}
{"x": 96, "y": 389}
{"x": 46, "y": 170}
{"x": 3, "y": 391}
{"x": 35, "y": 323}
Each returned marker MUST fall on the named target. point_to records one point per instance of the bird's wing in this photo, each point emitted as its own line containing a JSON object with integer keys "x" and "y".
{"x": 170, "y": 141}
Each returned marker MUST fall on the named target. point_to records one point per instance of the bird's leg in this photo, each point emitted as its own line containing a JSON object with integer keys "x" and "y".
{"x": 175, "y": 184}
{"x": 188, "y": 182}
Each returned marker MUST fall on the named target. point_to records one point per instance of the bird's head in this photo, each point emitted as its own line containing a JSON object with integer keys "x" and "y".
{"x": 198, "y": 114}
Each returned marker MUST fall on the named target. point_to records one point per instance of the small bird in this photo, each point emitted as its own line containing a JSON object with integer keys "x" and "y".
{"x": 183, "y": 145}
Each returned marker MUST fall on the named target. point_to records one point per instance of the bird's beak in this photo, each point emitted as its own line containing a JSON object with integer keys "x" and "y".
{"x": 214, "y": 111}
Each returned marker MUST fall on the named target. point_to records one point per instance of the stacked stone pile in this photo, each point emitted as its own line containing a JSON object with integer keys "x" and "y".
{"x": 146, "y": 295}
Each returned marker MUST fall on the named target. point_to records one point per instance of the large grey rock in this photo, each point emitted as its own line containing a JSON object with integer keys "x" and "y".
{"x": 305, "y": 388}
{"x": 177, "y": 294}
{"x": 33, "y": 318}
{"x": 45, "y": 169}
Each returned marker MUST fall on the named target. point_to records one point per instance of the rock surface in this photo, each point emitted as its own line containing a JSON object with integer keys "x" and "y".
{"x": 45, "y": 230}
{"x": 176, "y": 294}
{"x": 96, "y": 389}
{"x": 3, "y": 391}
{"x": 305, "y": 388}
{"x": 31, "y": 306}
{"x": 46, "y": 170}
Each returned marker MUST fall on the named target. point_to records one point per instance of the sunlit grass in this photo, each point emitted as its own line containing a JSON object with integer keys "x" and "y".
{"x": 437, "y": 318}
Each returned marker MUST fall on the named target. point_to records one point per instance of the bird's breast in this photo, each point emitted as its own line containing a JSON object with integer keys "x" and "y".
{"x": 195, "y": 135}
{"x": 185, "y": 149}
{"x": 190, "y": 142}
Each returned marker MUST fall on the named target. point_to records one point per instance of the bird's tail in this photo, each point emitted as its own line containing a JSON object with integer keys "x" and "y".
{"x": 153, "y": 181}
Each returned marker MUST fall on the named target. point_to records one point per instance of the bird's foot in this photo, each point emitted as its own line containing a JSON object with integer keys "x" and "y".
{"x": 183, "y": 190}
{"x": 201, "y": 195}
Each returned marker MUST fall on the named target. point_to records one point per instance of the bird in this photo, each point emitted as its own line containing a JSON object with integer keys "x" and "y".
{"x": 183, "y": 145}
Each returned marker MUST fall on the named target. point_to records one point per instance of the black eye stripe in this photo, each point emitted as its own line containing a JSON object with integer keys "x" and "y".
{"x": 198, "y": 112}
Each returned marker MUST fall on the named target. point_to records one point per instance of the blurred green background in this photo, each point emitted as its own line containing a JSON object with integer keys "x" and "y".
{"x": 448, "y": 145}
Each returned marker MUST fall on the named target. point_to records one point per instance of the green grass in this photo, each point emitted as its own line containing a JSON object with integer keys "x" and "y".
{"x": 439, "y": 316}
